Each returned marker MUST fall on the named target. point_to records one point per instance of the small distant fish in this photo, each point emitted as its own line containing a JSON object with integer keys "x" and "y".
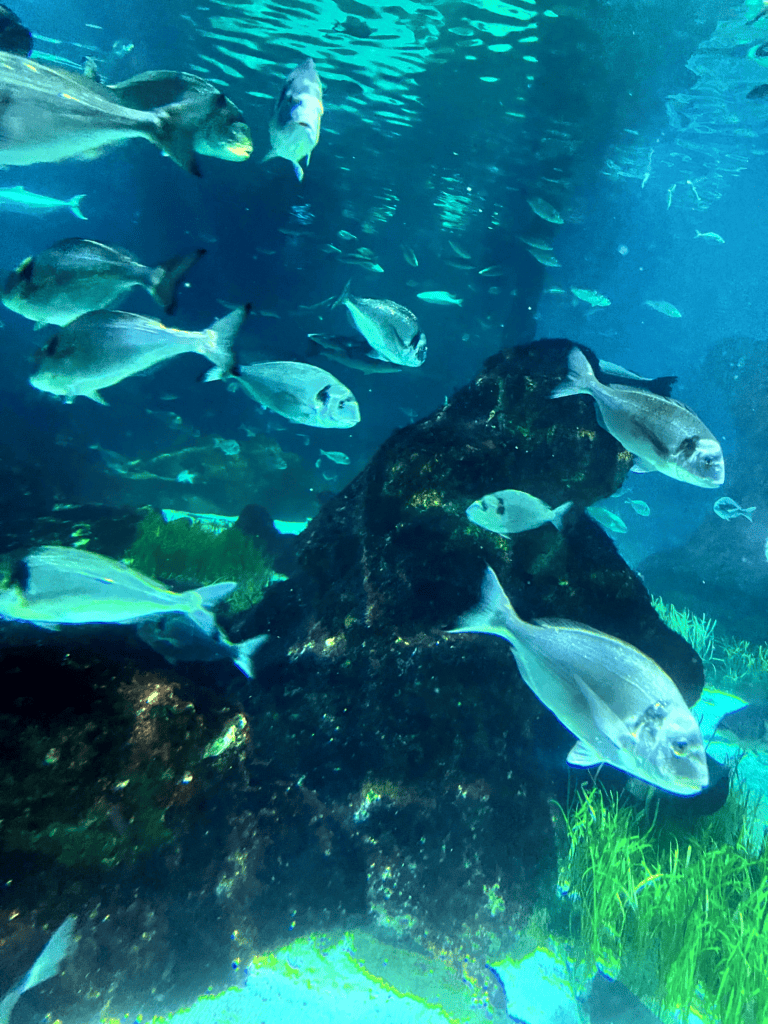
{"x": 494, "y": 271}
{"x": 727, "y": 508}
{"x": 459, "y": 250}
{"x": 593, "y": 298}
{"x": 663, "y": 307}
{"x": 622, "y": 707}
{"x": 353, "y": 351}
{"x": 439, "y": 298}
{"x": 389, "y": 328}
{"x": 534, "y": 243}
{"x": 355, "y": 259}
{"x": 663, "y": 435}
{"x": 608, "y": 519}
{"x": 409, "y": 256}
{"x": 338, "y": 457}
{"x": 47, "y": 966}
{"x": 177, "y": 638}
{"x": 102, "y": 348}
{"x": 301, "y": 393}
{"x": 710, "y": 236}
{"x": 545, "y": 210}
{"x": 638, "y": 506}
{"x": 346, "y": 235}
{"x": 19, "y": 199}
{"x": 294, "y": 128}
{"x": 545, "y": 259}
{"x": 509, "y": 512}
{"x": 747, "y": 727}
{"x": 231, "y": 448}
{"x": 185, "y": 477}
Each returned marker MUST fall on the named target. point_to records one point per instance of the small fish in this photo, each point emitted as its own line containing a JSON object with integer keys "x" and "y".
{"x": 102, "y": 348}
{"x": 390, "y": 329}
{"x": 346, "y": 235}
{"x": 459, "y": 250}
{"x": 185, "y": 477}
{"x": 338, "y": 457}
{"x": 727, "y": 508}
{"x": 710, "y": 236}
{"x": 301, "y": 393}
{"x": 56, "y": 586}
{"x": 663, "y": 307}
{"x": 76, "y": 275}
{"x": 231, "y": 448}
{"x": 409, "y": 256}
{"x": 494, "y": 271}
{"x": 178, "y": 638}
{"x": 294, "y": 128}
{"x": 47, "y": 966}
{"x": 545, "y": 259}
{"x": 622, "y": 707}
{"x": 545, "y": 210}
{"x": 747, "y": 727}
{"x": 638, "y": 506}
{"x": 439, "y": 298}
{"x": 593, "y": 298}
{"x": 353, "y": 351}
{"x": 361, "y": 261}
{"x": 534, "y": 243}
{"x": 19, "y": 199}
{"x": 509, "y": 512}
{"x": 608, "y": 519}
{"x": 662, "y": 434}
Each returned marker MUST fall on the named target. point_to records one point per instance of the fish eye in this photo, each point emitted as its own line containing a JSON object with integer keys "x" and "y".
{"x": 679, "y": 748}
{"x": 708, "y": 461}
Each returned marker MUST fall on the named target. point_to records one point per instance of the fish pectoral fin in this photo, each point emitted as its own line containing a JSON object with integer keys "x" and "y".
{"x": 96, "y": 397}
{"x": 606, "y": 720}
{"x": 583, "y": 756}
{"x": 299, "y": 170}
{"x": 641, "y": 466}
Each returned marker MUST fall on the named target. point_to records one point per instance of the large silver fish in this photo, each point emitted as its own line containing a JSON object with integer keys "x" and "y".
{"x": 56, "y": 586}
{"x": 509, "y": 512}
{"x": 661, "y": 433}
{"x": 294, "y": 128}
{"x": 391, "y": 330}
{"x": 47, "y": 966}
{"x": 102, "y": 348}
{"x": 49, "y": 114}
{"x": 301, "y": 393}
{"x": 76, "y": 275}
{"x": 623, "y": 708}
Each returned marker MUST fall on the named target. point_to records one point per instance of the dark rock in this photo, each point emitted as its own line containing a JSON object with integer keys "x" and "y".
{"x": 14, "y": 37}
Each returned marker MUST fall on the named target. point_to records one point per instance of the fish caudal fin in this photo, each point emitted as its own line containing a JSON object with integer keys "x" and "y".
{"x": 559, "y": 512}
{"x": 47, "y": 966}
{"x": 494, "y": 614}
{"x": 74, "y": 205}
{"x": 242, "y": 654}
{"x": 168, "y": 276}
{"x": 178, "y": 124}
{"x": 222, "y": 352}
{"x": 747, "y": 512}
{"x": 345, "y": 294}
{"x": 581, "y": 377}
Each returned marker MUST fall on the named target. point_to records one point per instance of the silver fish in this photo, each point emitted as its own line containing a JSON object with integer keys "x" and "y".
{"x": 47, "y": 966}
{"x": 640, "y": 507}
{"x": 102, "y": 348}
{"x": 352, "y": 351}
{"x": 439, "y": 298}
{"x": 340, "y": 458}
{"x": 76, "y": 275}
{"x": 56, "y": 586}
{"x": 294, "y": 128}
{"x": 662, "y": 434}
{"x": 544, "y": 210}
{"x": 17, "y": 198}
{"x": 747, "y": 726}
{"x": 390, "y": 329}
{"x": 178, "y": 638}
{"x": 509, "y": 512}
{"x": 301, "y": 393}
{"x": 622, "y": 707}
{"x": 727, "y": 508}
{"x": 49, "y": 114}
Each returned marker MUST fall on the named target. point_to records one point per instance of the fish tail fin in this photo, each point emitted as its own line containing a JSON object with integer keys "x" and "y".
{"x": 167, "y": 277}
{"x": 580, "y": 379}
{"x": 747, "y": 512}
{"x": 559, "y": 512}
{"x": 493, "y": 613}
{"x": 48, "y": 964}
{"x": 243, "y": 653}
{"x": 222, "y": 352}
{"x": 74, "y": 205}
{"x": 345, "y": 294}
{"x": 178, "y": 124}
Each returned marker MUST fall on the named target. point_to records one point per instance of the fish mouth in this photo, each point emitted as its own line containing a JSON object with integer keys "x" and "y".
{"x": 240, "y": 147}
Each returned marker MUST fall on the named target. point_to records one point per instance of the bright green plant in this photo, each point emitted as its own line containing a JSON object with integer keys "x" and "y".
{"x": 699, "y": 631}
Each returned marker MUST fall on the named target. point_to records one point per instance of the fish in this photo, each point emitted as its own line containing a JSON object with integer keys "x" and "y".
{"x": 301, "y": 393}
{"x": 659, "y": 385}
{"x": 534, "y": 243}
{"x": 544, "y": 258}
{"x": 220, "y": 131}
{"x": 48, "y": 114}
{"x": 710, "y": 236}
{"x": 439, "y": 298}
{"x": 17, "y": 198}
{"x": 663, "y": 434}
{"x": 508, "y": 512}
{"x": 346, "y": 235}
{"x": 727, "y": 508}
{"x": 390, "y": 329}
{"x": 338, "y": 457}
{"x": 663, "y": 307}
{"x": 102, "y": 348}
{"x": 47, "y": 966}
{"x": 178, "y": 638}
{"x": 640, "y": 507}
{"x": 77, "y": 275}
{"x": 56, "y": 586}
{"x": 610, "y": 520}
{"x": 352, "y": 351}
{"x": 409, "y": 256}
{"x": 231, "y": 448}
{"x": 545, "y": 210}
{"x": 747, "y": 726}
{"x": 622, "y": 707}
{"x": 294, "y": 128}
{"x": 593, "y": 298}
{"x": 493, "y": 271}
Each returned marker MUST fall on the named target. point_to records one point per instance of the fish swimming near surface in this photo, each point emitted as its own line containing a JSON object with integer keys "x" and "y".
{"x": 302, "y": 393}
{"x": 21, "y": 201}
{"x": 102, "y": 348}
{"x": 294, "y": 128}
{"x": 662, "y": 434}
{"x": 58, "y": 586}
{"x": 352, "y": 351}
{"x": 49, "y": 114}
{"x": 727, "y": 508}
{"x": 77, "y": 275}
{"x": 179, "y": 638}
{"x": 747, "y": 727}
{"x": 509, "y": 512}
{"x": 47, "y": 966}
{"x": 390, "y": 329}
{"x": 663, "y": 307}
{"x": 622, "y": 707}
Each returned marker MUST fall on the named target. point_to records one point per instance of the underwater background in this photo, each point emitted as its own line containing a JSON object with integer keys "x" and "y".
{"x": 379, "y": 821}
